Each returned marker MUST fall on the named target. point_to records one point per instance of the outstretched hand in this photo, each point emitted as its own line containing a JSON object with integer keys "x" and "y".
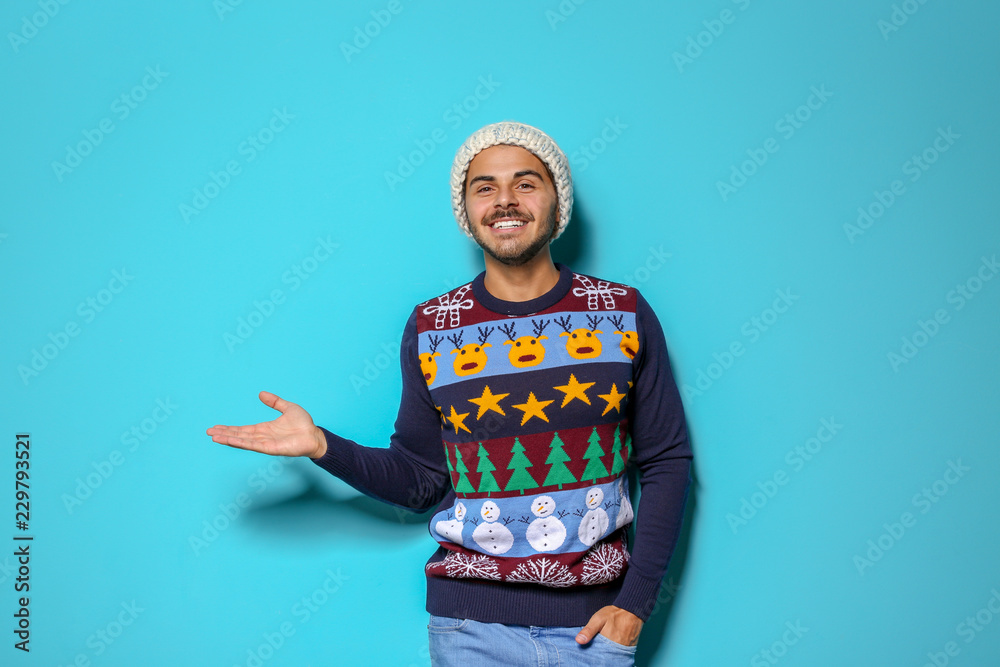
{"x": 291, "y": 434}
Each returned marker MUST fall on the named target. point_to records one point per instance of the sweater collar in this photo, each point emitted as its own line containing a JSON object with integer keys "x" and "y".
{"x": 529, "y": 307}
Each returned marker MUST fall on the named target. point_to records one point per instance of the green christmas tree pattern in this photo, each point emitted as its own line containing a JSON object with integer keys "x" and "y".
{"x": 464, "y": 485}
{"x": 618, "y": 464}
{"x": 558, "y": 473}
{"x": 487, "y": 483}
{"x": 521, "y": 479}
{"x": 595, "y": 467}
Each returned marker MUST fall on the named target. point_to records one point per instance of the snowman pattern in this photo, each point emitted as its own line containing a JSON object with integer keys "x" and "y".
{"x": 492, "y": 537}
{"x": 452, "y": 530}
{"x": 595, "y": 521}
{"x": 546, "y": 533}
{"x": 625, "y": 509}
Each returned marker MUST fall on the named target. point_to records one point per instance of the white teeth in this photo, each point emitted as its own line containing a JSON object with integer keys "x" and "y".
{"x": 507, "y": 224}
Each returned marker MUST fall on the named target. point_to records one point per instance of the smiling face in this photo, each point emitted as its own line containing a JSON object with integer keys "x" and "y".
{"x": 490, "y": 511}
{"x": 511, "y": 203}
{"x": 542, "y": 506}
{"x": 594, "y": 498}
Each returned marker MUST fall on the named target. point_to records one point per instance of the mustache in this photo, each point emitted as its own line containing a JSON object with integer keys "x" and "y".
{"x": 513, "y": 215}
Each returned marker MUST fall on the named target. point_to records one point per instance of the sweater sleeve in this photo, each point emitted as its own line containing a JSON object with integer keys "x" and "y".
{"x": 412, "y": 472}
{"x": 662, "y": 454}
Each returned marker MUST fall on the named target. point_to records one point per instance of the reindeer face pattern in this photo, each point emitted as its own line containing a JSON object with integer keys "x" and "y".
{"x": 526, "y": 351}
{"x": 629, "y": 343}
{"x": 470, "y": 359}
{"x": 583, "y": 343}
{"x": 529, "y": 344}
{"x": 429, "y": 366}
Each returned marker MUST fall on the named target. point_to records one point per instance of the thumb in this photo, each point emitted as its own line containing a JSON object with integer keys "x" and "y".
{"x": 273, "y": 401}
{"x": 590, "y": 630}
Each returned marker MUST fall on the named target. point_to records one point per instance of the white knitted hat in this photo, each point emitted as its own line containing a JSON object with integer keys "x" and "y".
{"x": 514, "y": 134}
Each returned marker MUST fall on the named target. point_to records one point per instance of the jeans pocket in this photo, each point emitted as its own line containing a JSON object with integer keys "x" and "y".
{"x": 613, "y": 643}
{"x": 445, "y": 623}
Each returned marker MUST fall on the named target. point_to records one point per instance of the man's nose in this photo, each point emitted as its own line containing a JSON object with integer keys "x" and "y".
{"x": 506, "y": 197}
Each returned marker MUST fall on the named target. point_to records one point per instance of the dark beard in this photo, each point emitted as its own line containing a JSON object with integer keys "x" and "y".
{"x": 527, "y": 254}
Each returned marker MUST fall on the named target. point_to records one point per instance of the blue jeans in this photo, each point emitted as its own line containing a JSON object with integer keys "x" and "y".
{"x": 463, "y": 642}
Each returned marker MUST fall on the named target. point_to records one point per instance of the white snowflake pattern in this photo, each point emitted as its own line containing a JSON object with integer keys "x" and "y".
{"x": 543, "y": 571}
{"x": 602, "y": 564}
{"x": 449, "y": 303}
{"x": 603, "y": 289}
{"x": 462, "y": 566}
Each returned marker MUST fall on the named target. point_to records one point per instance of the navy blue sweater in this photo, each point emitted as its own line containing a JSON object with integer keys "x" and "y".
{"x": 517, "y": 424}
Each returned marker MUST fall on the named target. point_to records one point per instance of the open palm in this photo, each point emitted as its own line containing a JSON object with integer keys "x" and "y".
{"x": 291, "y": 434}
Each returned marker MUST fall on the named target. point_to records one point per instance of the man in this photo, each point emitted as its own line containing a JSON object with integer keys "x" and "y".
{"x": 527, "y": 393}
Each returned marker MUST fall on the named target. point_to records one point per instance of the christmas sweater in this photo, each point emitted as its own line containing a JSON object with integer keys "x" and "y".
{"x": 518, "y": 423}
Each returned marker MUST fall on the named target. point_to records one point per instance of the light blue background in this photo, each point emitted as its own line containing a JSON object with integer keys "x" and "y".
{"x": 651, "y": 191}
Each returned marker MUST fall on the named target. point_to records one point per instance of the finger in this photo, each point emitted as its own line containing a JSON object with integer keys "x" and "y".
{"x": 590, "y": 630}
{"x": 274, "y": 401}
{"x": 232, "y": 441}
{"x": 238, "y": 431}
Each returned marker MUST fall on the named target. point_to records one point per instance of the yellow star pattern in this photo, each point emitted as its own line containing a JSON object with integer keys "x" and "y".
{"x": 574, "y": 389}
{"x": 532, "y": 408}
{"x": 489, "y": 401}
{"x": 614, "y": 400}
{"x": 457, "y": 419}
